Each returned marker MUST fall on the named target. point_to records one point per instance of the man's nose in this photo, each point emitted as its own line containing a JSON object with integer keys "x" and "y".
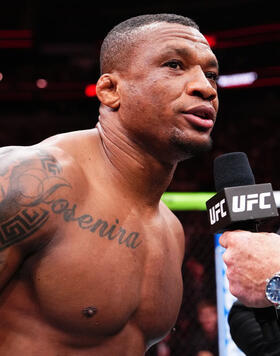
{"x": 199, "y": 85}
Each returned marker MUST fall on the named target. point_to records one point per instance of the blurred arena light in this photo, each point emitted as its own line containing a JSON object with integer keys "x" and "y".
{"x": 212, "y": 40}
{"x": 237, "y": 80}
{"x": 16, "y": 39}
{"x": 1, "y": 76}
{"x": 245, "y": 36}
{"x": 41, "y": 83}
{"x": 90, "y": 90}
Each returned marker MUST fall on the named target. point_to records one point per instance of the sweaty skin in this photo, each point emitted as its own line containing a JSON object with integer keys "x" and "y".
{"x": 90, "y": 258}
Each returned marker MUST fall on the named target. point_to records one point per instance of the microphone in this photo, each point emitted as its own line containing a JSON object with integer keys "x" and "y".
{"x": 242, "y": 204}
{"x": 239, "y": 203}
{"x": 255, "y": 334}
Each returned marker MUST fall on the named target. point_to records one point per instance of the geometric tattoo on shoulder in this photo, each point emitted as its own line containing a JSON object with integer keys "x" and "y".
{"x": 50, "y": 164}
{"x": 28, "y": 185}
{"x": 21, "y": 226}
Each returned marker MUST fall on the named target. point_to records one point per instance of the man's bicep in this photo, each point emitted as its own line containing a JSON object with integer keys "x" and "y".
{"x": 29, "y": 181}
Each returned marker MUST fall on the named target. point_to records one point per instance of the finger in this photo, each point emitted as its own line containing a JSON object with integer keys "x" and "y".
{"x": 224, "y": 239}
{"x": 226, "y": 258}
{"x": 229, "y": 237}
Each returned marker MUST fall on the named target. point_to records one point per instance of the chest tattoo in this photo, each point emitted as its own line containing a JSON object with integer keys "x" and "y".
{"x": 27, "y": 191}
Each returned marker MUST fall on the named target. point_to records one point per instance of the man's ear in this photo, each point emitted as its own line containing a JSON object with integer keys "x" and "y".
{"x": 107, "y": 91}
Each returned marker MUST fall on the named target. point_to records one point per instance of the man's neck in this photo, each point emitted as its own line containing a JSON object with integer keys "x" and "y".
{"x": 132, "y": 168}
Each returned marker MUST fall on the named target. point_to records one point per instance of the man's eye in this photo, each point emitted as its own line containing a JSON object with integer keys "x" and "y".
{"x": 174, "y": 64}
{"x": 212, "y": 76}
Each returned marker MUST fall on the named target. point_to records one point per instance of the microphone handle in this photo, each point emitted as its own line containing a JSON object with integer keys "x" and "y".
{"x": 266, "y": 317}
{"x": 252, "y": 226}
{"x": 268, "y": 321}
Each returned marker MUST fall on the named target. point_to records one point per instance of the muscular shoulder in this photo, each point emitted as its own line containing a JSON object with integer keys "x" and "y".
{"x": 77, "y": 144}
{"x": 36, "y": 171}
{"x": 30, "y": 179}
{"x": 174, "y": 225}
{"x": 34, "y": 180}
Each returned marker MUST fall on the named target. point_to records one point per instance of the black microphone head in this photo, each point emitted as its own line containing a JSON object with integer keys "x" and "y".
{"x": 232, "y": 170}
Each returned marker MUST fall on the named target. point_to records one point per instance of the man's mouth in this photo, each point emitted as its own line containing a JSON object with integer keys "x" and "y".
{"x": 202, "y": 116}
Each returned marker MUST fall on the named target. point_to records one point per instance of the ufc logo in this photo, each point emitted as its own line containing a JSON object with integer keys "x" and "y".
{"x": 247, "y": 202}
{"x": 217, "y": 212}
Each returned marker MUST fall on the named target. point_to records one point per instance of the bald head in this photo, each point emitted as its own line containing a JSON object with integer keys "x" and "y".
{"x": 117, "y": 47}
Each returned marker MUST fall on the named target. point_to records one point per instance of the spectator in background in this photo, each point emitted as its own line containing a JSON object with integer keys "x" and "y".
{"x": 196, "y": 337}
{"x": 205, "y": 353}
{"x": 206, "y": 336}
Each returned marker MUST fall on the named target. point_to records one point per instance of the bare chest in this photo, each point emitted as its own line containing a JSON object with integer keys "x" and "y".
{"x": 103, "y": 275}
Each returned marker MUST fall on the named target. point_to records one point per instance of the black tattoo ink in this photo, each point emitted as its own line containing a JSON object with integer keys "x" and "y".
{"x": 50, "y": 164}
{"x": 21, "y": 205}
{"x": 89, "y": 312}
{"x": 22, "y": 226}
{"x": 60, "y": 206}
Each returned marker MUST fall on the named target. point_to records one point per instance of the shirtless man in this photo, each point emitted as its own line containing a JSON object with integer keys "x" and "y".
{"x": 90, "y": 257}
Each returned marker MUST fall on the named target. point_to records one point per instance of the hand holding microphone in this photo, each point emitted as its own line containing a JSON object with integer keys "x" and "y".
{"x": 240, "y": 204}
{"x": 251, "y": 257}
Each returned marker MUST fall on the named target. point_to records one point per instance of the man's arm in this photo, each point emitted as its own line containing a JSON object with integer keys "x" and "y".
{"x": 30, "y": 178}
{"x": 251, "y": 258}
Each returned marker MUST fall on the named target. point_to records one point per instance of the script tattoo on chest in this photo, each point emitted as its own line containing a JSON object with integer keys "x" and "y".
{"x": 27, "y": 200}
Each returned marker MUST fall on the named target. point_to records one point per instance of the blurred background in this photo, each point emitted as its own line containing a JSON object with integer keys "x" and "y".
{"x": 49, "y": 64}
